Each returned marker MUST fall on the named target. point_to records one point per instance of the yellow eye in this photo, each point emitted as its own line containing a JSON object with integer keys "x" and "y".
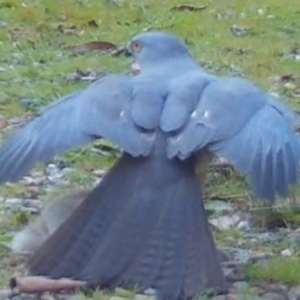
{"x": 136, "y": 47}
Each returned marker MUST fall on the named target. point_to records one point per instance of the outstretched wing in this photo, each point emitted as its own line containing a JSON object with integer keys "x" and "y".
{"x": 100, "y": 111}
{"x": 237, "y": 121}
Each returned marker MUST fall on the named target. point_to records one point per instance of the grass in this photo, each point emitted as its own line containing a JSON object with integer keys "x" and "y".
{"x": 35, "y": 64}
{"x": 277, "y": 270}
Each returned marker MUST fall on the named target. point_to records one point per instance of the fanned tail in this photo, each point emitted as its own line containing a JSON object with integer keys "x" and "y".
{"x": 143, "y": 226}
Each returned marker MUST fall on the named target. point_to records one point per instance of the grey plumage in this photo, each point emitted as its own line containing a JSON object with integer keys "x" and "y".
{"x": 144, "y": 223}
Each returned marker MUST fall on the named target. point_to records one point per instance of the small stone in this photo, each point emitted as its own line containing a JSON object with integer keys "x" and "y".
{"x": 51, "y": 167}
{"x": 16, "y": 121}
{"x": 260, "y": 11}
{"x": 229, "y": 296}
{"x": 274, "y": 296}
{"x": 47, "y": 296}
{"x": 3, "y": 24}
{"x": 256, "y": 290}
{"x": 287, "y": 252}
{"x": 144, "y": 297}
{"x": 237, "y": 220}
{"x": 117, "y": 298}
{"x": 32, "y": 203}
{"x": 34, "y": 181}
{"x": 290, "y": 86}
{"x": 55, "y": 176}
{"x": 226, "y": 15}
{"x": 32, "y": 192}
{"x": 239, "y": 31}
{"x": 264, "y": 237}
{"x": 14, "y": 203}
{"x": 218, "y": 206}
{"x": 5, "y": 294}
{"x": 99, "y": 173}
{"x": 150, "y": 291}
{"x": 241, "y": 285}
{"x": 242, "y": 296}
{"x": 37, "y": 173}
{"x": 294, "y": 293}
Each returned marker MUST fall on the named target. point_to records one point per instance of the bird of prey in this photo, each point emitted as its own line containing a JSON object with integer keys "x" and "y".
{"x": 144, "y": 225}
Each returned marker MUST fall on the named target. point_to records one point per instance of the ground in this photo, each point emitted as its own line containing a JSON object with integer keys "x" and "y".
{"x": 255, "y": 39}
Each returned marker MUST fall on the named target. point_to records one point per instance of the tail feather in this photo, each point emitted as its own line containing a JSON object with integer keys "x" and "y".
{"x": 202, "y": 272}
{"x": 170, "y": 280}
{"x": 143, "y": 226}
{"x": 145, "y": 268}
{"x": 90, "y": 223}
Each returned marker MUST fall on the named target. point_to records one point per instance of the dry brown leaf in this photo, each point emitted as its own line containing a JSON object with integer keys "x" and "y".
{"x": 92, "y": 46}
{"x": 189, "y": 8}
{"x": 36, "y": 284}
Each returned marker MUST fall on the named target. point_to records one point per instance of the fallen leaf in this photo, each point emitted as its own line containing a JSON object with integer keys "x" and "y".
{"x": 189, "y": 8}
{"x": 288, "y": 77}
{"x": 92, "y": 46}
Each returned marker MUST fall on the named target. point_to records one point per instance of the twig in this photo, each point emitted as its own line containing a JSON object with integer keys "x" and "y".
{"x": 37, "y": 284}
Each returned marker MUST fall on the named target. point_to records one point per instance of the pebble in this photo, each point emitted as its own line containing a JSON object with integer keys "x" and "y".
{"x": 34, "y": 181}
{"x": 274, "y": 296}
{"x": 5, "y": 294}
{"x": 47, "y": 296}
{"x": 32, "y": 203}
{"x": 287, "y": 252}
{"x": 294, "y": 293}
{"x": 226, "y": 297}
{"x": 236, "y": 220}
{"x": 218, "y": 206}
{"x": 264, "y": 236}
{"x": 16, "y": 121}
{"x": 149, "y": 291}
{"x": 14, "y": 203}
{"x": 260, "y": 11}
{"x": 144, "y": 297}
{"x": 241, "y": 285}
{"x": 239, "y": 31}
{"x": 99, "y": 173}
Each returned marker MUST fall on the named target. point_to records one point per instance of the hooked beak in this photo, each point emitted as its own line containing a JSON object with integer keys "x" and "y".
{"x": 135, "y": 67}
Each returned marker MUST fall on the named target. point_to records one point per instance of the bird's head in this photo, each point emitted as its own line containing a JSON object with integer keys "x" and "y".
{"x": 152, "y": 48}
